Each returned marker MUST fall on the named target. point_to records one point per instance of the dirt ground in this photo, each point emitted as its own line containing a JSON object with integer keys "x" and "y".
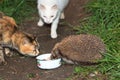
{"x": 25, "y": 68}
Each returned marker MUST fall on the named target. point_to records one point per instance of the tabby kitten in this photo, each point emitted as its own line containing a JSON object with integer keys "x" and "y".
{"x": 12, "y": 37}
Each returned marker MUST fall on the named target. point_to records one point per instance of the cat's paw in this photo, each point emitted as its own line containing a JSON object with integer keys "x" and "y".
{"x": 40, "y": 23}
{"x": 3, "y": 62}
{"x": 53, "y": 35}
{"x": 8, "y": 52}
{"x": 62, "y": 16}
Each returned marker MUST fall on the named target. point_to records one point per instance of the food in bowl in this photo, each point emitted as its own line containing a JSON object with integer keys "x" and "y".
{"x": 44, "y": 62}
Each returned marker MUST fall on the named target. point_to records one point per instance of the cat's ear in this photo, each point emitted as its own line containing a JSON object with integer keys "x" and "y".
{"x": 55, "y": 7}
{"x": 42, "y": 7}
{"x": 35, "y": 37}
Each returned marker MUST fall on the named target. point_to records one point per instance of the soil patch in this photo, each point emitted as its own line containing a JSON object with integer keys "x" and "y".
{"x": 24, "y": 68}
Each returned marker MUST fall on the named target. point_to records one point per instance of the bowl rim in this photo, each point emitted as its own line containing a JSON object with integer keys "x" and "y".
{"x": 45, "y": 60}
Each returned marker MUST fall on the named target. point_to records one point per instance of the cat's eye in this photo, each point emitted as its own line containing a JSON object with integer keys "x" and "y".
{"x": 44, "y": 16}
{"x": 34, "y": 50}
{"x": 52, "y": 16}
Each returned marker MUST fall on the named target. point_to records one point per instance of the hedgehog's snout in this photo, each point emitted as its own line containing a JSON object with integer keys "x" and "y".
{"x": 55, "y": 54}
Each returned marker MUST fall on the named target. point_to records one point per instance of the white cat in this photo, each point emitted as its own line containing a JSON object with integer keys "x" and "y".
{"x": 51, "y": 11}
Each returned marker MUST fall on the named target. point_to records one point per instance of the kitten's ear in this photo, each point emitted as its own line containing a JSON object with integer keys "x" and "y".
{"x": 42, "y": 7}
{"x": 55, "y": 7}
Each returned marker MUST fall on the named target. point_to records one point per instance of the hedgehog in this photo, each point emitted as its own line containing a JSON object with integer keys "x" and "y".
{"x": 76, "y": 49}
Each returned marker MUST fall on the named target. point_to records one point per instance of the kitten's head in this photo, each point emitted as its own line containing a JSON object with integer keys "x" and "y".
{"x": 29, "y": 46}
{"x": 48, "y": 13}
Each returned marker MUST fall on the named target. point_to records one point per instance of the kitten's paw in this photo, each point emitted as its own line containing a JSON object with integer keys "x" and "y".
{"x": 40, "y": 23}
{"x": 53, "y": 35}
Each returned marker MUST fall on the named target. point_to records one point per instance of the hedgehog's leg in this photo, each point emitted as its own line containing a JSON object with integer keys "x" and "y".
{"x": 68, "y": 61}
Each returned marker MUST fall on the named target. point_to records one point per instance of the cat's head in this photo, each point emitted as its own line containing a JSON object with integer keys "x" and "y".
{"x": 29, "y": 46}
{"x": 48, "y": 13}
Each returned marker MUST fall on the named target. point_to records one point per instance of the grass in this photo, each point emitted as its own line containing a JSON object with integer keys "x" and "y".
{"x": 105, "y": 23}
{"x": 31, "y": 75}
{"x": 18, "y": 9}
{"x": 1, "y": 78}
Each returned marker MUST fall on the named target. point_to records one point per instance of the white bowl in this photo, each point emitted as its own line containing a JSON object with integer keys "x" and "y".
{"x": 43, "y": 62}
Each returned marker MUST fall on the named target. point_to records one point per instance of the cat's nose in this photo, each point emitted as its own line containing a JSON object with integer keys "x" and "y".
{"x": 48, "y": 21}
